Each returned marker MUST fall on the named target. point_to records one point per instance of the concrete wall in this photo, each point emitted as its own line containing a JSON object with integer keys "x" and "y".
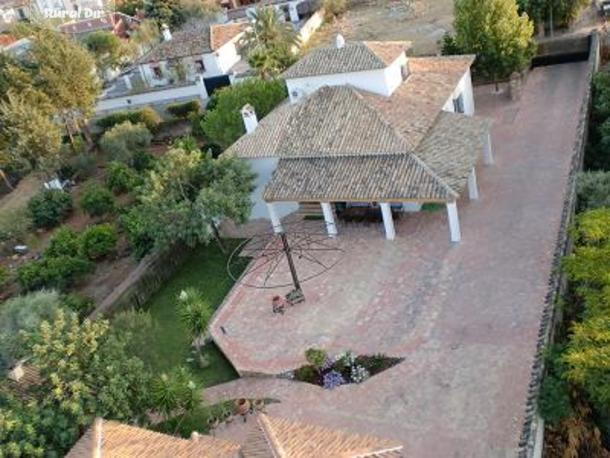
{"x": 464, "y": 87}
{"x": 310, "y": 26}
{"x": 153, "y": 97}
{"x": 382, "y": 81}
{"x": 264, "y": 169}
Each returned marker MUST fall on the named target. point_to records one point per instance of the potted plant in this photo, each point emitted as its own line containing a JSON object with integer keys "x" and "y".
{"x": 259, "y": 405}
{"x": 242, "y": 406}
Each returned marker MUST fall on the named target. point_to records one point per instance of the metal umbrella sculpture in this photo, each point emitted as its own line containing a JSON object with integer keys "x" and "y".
{"x": 271, "y": 257}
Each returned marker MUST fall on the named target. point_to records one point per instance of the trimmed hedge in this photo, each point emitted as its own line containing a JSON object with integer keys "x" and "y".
{"x": 147, "y": 116}
{"x": 184, "y": 110}
{"x": 50, "y": 207}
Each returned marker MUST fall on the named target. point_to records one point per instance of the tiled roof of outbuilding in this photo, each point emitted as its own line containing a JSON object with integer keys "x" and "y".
{"x": 277, "y": 437}
{"x": 353, "y": 57}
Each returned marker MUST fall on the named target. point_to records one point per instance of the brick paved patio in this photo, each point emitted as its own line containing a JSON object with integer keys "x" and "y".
{"x": 464, "y": 317}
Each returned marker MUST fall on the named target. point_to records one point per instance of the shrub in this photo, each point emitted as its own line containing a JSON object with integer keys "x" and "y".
{"x": 23, "y": 313}
{"x": 83, "y": 166}
{"x": 98, "y": 241}
{"x": 184, "y": 110}
{"x": 334, "y": 9}
{"x": 48, "y": 208}
{"x": 593, "y": 190}
{"x": 121, "y": 178}
{"x": 307, "y": 374}
{"x": 316, "y": 357}
{"x": 78, "y": 303}
{"x": 135, "y": 224}
{"x": 142, "y": 161}
{"x": 96, "y": 200}
{"x": 14, "y": 224}
{"x": 123, "y": 140}
{"x": 64, "y": 242}
{"x": 146, "y": 116}
{"x": 58, "y": 273}
{"x": 5, "y": 276}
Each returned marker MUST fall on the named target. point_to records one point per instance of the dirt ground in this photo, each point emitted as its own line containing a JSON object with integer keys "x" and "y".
{"x": 424, "y": 22}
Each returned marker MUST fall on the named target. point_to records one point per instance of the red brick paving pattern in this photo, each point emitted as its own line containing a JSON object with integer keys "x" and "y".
{"x": 465, "y": 317}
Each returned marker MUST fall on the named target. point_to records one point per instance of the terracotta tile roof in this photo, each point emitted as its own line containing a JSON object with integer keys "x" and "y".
{"x": 221, "y": 34}
{"x": 6, "y": 40}
{"x": 111, "y": 21}
{"x": 28, "y": 378}
{"x": 414, "y": 105}
{"x": 452, "y": 147}
{"x": 194, "y": 41}
{"x": 124, "y": 441}
{"x": 274, "y": 437}
{"x": 353, "y": 57}
{"x": 386, "y": 178}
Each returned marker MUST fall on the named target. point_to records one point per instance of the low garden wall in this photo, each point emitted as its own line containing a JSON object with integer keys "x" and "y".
{"x": 144, "y": 281}
{"x": 532, "y": 436}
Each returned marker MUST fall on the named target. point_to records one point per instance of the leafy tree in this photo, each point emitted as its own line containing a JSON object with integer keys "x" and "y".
{"x": 269, "y": 42}
{"x": 494, "y": 31}
{"x": 555, "y": 12}
{"x": 85, "y": 373}
{"x": 121, "y": 178}
{"x": 29, "y": 137}
{"x": 20, "y": 428}
{"x": 123, "y": 140}
{"x": 23, "y": 313}
{"x": 195, "y": 313}
{"x": 146, "y": 35}
{"x": 107, "y": 49}
{"x": 166, "y": 12}
{"x": 129, "y": 7}
{"x": 181, "y": 196}
{"x": 138, "y": 330}
{"x": 593, "y": 189}
{"x": 63, "y": 70}
{"x": 223, "y": 124}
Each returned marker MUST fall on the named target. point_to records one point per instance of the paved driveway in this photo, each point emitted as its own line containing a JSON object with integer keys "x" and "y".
{"x": 465, "y": 317}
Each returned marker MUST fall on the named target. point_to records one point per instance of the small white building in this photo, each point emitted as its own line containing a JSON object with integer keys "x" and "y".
{"x": 206, "y": 51}
{"x": 367, "y": 128}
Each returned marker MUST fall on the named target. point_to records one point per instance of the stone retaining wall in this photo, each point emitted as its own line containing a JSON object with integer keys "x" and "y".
{"x": 530, "y": 445}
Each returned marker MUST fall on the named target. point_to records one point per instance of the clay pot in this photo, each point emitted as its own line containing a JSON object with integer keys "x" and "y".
{"x": 242, "y": 406}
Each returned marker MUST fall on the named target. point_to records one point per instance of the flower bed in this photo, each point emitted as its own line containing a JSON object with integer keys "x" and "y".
{"x": 343, "y": 369}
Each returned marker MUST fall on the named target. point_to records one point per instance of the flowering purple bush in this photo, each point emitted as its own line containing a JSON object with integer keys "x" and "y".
{"x": 332, "y": 379}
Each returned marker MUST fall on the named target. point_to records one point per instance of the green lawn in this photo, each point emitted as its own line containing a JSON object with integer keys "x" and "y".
{"x": 206, "y": 270}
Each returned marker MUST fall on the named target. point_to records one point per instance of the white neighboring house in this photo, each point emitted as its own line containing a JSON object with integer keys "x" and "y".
{"x": 208, "y": 51}
{"x": 367, "y": 126}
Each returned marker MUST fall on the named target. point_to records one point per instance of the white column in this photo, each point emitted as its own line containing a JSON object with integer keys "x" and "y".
{"x": 292, "y": 10}
{"x": 276, "y": 223}
{"x": 454, "y": 222}
{"x": 388, "y": 221}
{"x": 473, "y": 189}
{"x": 329, "y": 219}
{"x": 488, "y": 157}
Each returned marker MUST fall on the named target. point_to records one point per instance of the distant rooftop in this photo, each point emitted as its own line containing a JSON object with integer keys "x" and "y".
{"x": 352, "y": 57}
{"x": 193, "y": 41}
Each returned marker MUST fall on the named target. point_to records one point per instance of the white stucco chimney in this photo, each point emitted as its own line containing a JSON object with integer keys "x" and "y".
{"x": 167, "y": 34}
{"x": 249, "y": 116}
{"x": 17, "y": 372}
{"x": 339, "y": 41}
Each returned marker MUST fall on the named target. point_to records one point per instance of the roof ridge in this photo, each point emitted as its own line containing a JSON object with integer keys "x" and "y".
{"x": 269, "y": 434}
{"x": 425, "y": 166}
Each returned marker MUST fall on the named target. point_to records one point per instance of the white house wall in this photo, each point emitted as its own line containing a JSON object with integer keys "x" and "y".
{"x": 372, "y": 80}
{"x": 227, "y": 57}
{"x": 264, "y": 168}
{"x": 464, "y": 87}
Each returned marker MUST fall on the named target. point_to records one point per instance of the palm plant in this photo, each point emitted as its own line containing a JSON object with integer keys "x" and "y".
{"x": 269, "y": 42}
{"x": 195, "y": 313}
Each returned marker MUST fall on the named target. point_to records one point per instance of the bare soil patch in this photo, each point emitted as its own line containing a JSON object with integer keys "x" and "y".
{"x": 424, "y": 22}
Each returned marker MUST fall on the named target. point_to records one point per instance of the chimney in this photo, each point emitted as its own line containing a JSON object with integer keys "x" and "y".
{"x": 167, "y": 35}
{"x": 96, "y": 442}
{"x": 16, "y": 373}
{"x": 194, "y": 436}
{"x": 249, "y": 116}
{"x": 339, "y": 41}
